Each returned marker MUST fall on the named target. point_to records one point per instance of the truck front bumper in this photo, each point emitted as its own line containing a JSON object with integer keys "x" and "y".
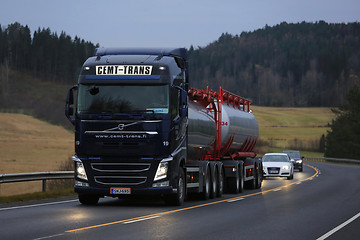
{"x": 133, "y": 191}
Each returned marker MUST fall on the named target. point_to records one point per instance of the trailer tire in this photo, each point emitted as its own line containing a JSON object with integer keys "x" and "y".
{"x": 258, "y": 177}
{"x": 178, "y": 198}
{"x": 214, "y": 183}
{"x": 207, "y": 185}
{"x": 88, "y": 199}
{"x": 233, "y": 184}
{"x": 220, "y": 182}
{"x": 241, "y": 178}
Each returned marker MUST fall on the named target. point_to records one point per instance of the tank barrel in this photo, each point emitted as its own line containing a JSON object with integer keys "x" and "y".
{"x": 220, "y": 123}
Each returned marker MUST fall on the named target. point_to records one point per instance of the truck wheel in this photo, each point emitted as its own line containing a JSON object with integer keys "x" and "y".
{"x": 206, "y": 188}
{"x": 241, "y": 178}
{"x": 258, "y": 176}
{"x": 88, "y": 199}
{"x": 233, "y": 184}
{"x": 214, "y": 185}
{"x": 220, "y": 182}
{"x": 252, "y": 183}
{"x": 178, "y": 198}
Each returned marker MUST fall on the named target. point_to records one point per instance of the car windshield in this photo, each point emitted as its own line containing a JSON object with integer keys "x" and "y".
{"x": 293, "y": 154}
{"x": 112, "y": 99}
{"x": 275, "y": 158}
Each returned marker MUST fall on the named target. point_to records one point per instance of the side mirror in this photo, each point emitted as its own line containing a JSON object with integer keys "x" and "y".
{"x": 69, "y": 106}
{"x": 183, "y": 104}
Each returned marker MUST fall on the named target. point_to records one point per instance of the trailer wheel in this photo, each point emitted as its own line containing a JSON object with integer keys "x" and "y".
{"x": 206, "y": 188}
{"x": 178, "y": 198}
{"x": 241, "y": 178}
{"x": 233, "y": 184}
{"x": 214, "y": 184}
{"x": 220, "y": 182}
{"x": 258, "y": 175}
{"x": 88, "y": 199}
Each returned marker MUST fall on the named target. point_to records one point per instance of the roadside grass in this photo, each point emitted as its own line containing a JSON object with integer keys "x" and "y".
{"x": 292, "y": 128}
{"x": 31, "y": 145}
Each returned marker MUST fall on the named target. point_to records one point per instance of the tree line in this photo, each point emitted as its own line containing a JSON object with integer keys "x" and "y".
{"x": 45, "y": 54}
{"x": 302, "y": 64}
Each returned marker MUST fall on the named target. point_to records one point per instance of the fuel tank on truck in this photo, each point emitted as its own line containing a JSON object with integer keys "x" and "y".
{"x": 239, "y": 129}
{"x": 201, "y": 130}
{"x": 239, "y": 125}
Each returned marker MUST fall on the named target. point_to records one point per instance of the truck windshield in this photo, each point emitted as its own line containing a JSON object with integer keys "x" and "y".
{"x": 112, "y": 99}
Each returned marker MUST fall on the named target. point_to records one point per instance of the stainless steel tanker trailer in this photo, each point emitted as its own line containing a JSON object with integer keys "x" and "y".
{"x": 140, "y": 129}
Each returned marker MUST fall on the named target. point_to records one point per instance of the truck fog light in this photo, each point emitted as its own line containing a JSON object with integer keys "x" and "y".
{"x": 81, "y": 184}
{"x": 161, "y": 171}
{"x": 161, "y": 184}
{"x": 80, "y": 171}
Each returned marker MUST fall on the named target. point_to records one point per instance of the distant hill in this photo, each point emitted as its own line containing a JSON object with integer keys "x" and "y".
{"x": 303, "y": 64}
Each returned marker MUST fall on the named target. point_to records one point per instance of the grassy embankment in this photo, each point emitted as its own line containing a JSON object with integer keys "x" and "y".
{"x": 31, "y": 145}
{"x": 292, "y": 128}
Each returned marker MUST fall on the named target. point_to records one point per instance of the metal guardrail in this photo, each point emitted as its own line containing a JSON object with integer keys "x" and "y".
{"x": 36, "y": 176}
{"x": 334, "y": 160}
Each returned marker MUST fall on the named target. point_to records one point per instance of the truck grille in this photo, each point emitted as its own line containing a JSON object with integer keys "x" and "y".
{"x": 121, "y": 167}
{"x": 120, "y": 174}
{"x": 120, "y": 180}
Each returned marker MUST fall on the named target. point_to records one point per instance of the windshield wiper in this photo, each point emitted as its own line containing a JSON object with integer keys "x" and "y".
{"x": 143, "y": 111}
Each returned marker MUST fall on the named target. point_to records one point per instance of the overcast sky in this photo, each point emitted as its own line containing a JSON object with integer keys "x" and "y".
{"x": 168, "y": 23}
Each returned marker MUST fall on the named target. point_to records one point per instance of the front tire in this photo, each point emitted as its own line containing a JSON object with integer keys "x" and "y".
{"x": 88, "y": 199}
{"x": 178, "y": 198}
{"x": 290, "y": 177}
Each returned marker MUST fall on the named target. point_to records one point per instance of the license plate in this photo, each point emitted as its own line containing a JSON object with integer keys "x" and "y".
{"x": 120, "y": 190}
{"x": 273, "y": 171}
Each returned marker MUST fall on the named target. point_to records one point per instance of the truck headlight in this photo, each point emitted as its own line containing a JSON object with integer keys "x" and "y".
{"x": 80, "y": 169}
{"x": 286, "y": 167}
{"x": 162, "y": 169}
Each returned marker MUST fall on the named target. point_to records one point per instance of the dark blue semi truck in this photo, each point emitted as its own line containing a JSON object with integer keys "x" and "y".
{"x": 140, "y": 130}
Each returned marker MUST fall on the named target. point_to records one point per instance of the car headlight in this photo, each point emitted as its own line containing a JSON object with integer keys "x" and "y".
{"x": 162, "y": 169}
{"x": 286, "y": 167}
{"x": 80, "y": 169}
{"x": 298, "y": 161}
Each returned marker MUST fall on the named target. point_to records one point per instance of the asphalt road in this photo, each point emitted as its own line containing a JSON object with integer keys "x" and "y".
{"x": 323, "y": 202}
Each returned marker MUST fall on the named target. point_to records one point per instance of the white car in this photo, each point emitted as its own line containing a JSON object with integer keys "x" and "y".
{"x": 278, "y": 165}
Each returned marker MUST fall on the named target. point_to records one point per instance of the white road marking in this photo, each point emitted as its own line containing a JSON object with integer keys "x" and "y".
{"x": 328, "y": 234}
{"x": 37, "y": 205}
{"x": 234, "y": 200}
{"x": 276, "y": 190}
{"x": 57, "y": 235}
{"x": 142, "y": 219}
